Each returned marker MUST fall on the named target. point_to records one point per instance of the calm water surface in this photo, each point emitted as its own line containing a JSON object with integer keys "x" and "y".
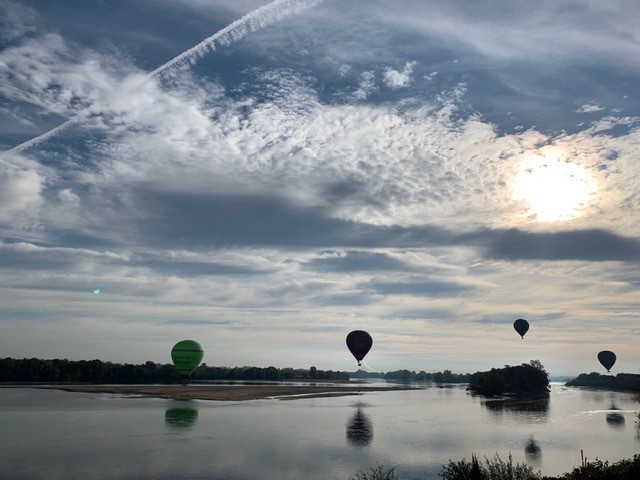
{"x": 61, "y": 435}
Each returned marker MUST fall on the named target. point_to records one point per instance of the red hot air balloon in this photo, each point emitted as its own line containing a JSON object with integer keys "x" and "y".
{"x": 607, "y": 359}
{"x": 521, "y": 326}
{"x": 359, "y": 343}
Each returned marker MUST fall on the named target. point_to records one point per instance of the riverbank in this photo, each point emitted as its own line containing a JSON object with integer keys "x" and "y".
{"x": 227, "y": 392}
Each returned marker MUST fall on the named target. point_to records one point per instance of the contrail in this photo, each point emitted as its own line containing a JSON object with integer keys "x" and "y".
{"x": 254, "y": 20}
{"x": 41, "y": 138}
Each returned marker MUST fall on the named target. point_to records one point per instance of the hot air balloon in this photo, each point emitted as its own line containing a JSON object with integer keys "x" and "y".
{"x": 521, "y": 326}
{"x": 607, "y": 359}
{"x": 186, "y": 356}
{"x": 359, "y": 343}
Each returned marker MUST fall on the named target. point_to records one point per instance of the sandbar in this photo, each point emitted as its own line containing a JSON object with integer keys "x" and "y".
{"x": 227, "y": 392}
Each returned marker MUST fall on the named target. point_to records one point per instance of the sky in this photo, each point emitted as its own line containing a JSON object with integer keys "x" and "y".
{"x": 266, "y": 177}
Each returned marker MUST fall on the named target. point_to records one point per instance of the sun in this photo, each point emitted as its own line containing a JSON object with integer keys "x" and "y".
{"x": 555, "y": 189}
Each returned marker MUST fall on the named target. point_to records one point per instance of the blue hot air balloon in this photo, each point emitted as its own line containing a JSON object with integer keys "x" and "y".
{"x": 607, "y": 359}
{"x": 521, "y": 326}
{"x": 359, "y": 343}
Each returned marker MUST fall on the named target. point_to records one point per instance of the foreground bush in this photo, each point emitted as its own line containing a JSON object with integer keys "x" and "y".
{"x": 378, "y": 473}
{"x": 491, "y": 469}
{"x": 628, "y": 469}
{"x": 498, "y": 469}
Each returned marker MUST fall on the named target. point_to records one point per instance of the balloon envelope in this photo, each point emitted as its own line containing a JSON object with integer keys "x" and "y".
{"x": 607, "y": 359}
{"x": 359, "y": 343}
{"x": 186, "y": 356}
{"x": 521, "y": 326}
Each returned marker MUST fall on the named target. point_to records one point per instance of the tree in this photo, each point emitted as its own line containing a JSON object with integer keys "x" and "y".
{"x": 537, "y": 364}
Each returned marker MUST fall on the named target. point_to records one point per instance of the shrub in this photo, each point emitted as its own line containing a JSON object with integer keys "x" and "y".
{"x": 379, "y": 473}
{"x": 491, "y": 469}
{"x": 628, "y": 469}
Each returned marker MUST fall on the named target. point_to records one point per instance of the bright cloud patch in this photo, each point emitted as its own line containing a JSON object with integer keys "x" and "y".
{"x": 20, "y": 189}
{"x": 398, "y": 79}
{"x": 589, "y": 108}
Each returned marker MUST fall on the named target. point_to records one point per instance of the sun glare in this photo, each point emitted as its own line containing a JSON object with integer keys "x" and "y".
{"x": 555, "y": 189}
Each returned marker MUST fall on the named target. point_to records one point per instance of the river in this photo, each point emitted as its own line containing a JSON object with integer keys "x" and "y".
{"x": 50, "y": 434}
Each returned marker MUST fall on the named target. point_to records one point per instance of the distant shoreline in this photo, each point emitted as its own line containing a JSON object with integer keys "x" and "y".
{"x": 223, "y": 392}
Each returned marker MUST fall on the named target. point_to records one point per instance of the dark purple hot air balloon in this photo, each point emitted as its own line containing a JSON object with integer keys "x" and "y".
{"x": 607, "y": 359}
{"x": 521, "y": 326}
{"x": 359, "y": 343}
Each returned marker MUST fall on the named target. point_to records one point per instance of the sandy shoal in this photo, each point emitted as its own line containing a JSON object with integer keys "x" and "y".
{"x": 226, "y": 392}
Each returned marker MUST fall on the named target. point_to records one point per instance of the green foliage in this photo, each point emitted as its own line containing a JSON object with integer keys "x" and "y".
{"x": 97, "y": 371}
{"x": 628, "y": 469}
{"x": 379, "y": 473}
{"x": 204, "y": 372}
{"x": 439, "y": 377}
{"x": 525, "y": 379}
{"x": 497, "y": 469}
{"x": 86, "y": 371}
{"x": 491, "y": 469}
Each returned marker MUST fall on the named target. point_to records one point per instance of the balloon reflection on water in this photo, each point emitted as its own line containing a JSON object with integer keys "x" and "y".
{"x": 181, "y": 418}
{"x": 532, "y": 450}
{"x": 359, "y": 429}
{"x": 614, "y": 418}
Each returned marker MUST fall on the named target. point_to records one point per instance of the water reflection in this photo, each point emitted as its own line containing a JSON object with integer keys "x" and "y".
{"x": 182, "y": 418}
{"x": 530, "y": 409}
{"x": 417, "y": 430}
{"x": 615, "y": 419}
{"x": 532, "y": 451}
{"x": 359, "y": 429}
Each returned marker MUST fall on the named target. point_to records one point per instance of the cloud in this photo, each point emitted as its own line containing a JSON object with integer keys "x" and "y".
{"x": 418, "y": 287}
{"x": 21, "y": 185}
{"x": 366, "y": 86}
{"x": 181, "y": 220}
{"x": 254, "y": 20}
{"x": 532, "y": 32}
{"x": 357, "y": 261}
{"x": 194, "y": 266}
{"x": 589, "y": 108}
{"x": 586, "y": 245}
{"x": 190, "y": 220}
{"x": 16, "y": 20}
{"x": 509, "y": 319}
{"x": 398, "y": 79}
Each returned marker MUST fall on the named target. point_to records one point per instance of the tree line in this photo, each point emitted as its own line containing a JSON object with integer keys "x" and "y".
{"x": 204, "y": 372}
{"x": 97, "y": 371}
{"x": 411, "y": 376}
{"x": 622, "y": 381}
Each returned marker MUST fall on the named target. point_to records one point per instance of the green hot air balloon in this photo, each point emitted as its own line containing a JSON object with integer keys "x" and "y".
{"x": 186, "y": 356}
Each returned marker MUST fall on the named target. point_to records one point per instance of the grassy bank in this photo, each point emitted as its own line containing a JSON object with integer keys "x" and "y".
{"x": 498, "y": 469}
